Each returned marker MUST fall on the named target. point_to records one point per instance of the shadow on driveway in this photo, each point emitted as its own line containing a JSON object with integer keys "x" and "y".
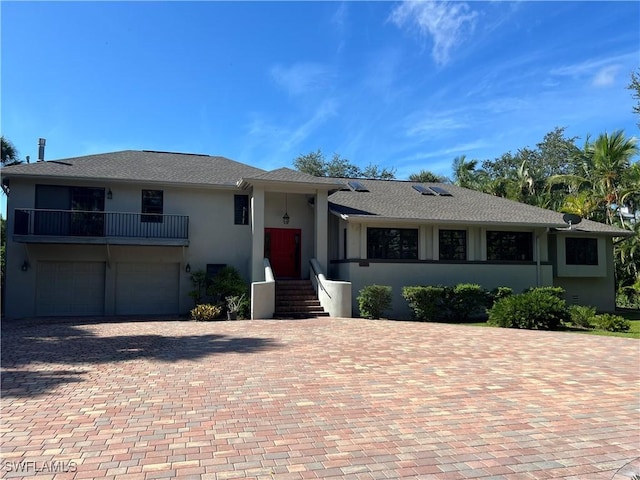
{"x": 31, "y": 353}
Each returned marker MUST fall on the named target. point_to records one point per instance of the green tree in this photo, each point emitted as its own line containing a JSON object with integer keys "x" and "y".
{"x": 465, "y": 174}
{"x": 312, "y": 163}
{"x": 315, "y": 163}
{"x": 634, "y": 86}
{"x": 8, "y": 151}
{"x": 425, "y": 176}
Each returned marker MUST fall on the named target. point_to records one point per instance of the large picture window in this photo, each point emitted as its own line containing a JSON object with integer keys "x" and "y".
{"x": 581, "y": 251}
{"x": 152, "y": 206}
{"x": 392, "y": 243}
{"x": 453, "y": 244}
{"x": 241, "y": 209}
{"x": 510, "y": 246}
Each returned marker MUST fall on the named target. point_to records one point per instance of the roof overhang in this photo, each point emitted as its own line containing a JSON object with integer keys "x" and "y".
{"x": 287, "y": 185}
{"x": 608, "y": 233}
{"x": 360, "y": 218}
{"x": 115, "y": 180}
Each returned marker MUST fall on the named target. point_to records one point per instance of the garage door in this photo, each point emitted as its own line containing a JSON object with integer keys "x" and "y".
{"x": 147, "y": 288}
{"x": 70, "y": 288}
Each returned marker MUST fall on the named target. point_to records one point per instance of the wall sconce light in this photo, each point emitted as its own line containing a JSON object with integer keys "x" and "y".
{"x": 285, "y": 217}
{"x": 25, "y": 266}
{"x": 109, "y": 194}
{"x": 187, "y": 268}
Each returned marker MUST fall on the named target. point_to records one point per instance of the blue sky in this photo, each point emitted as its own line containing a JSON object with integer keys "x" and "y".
{"x": 408, "y": 86}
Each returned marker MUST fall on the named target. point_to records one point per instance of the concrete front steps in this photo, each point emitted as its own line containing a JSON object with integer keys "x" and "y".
{"x": 297, "y": 299}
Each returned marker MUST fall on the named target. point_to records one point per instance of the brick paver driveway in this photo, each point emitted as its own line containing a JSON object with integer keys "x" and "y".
{"x": 319, "y": 398}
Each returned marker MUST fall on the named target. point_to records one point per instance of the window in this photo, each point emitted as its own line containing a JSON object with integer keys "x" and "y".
{"x": 241, "y": 209}
{"x": 510, "y": 246}
{"x": 453, "y": 244}
{"x": 152, "y": 205}
{"x": 581, "y": 251}
{"x": 76, "y": 211}
{"x": 392, "y": 243}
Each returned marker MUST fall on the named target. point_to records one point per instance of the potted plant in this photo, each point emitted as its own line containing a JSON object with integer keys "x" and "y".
{"x": 234, "y": 303}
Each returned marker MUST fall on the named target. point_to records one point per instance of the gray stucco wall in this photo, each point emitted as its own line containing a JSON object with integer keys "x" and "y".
{"x": 401, "y": 274}
{"x": 213, "y": 238}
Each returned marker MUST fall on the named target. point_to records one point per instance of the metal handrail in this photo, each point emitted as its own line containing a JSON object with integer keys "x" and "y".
{"x": 317, "y": 275}
{"x": 84, "y": 223}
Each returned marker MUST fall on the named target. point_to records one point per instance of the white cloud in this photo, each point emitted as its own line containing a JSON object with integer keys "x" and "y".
{"x": 447, "y": 23}
{"x": 302, "y": 78}
{"x": 606, "y": 76}
{"x": 432, "y": 125}
{"x": 602, "y": 72}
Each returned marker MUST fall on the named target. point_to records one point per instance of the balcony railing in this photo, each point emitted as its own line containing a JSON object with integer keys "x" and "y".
{"x": 78, "y": 223}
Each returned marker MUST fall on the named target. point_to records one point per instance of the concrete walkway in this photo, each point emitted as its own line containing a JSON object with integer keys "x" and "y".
{"x": 318, "y": 398}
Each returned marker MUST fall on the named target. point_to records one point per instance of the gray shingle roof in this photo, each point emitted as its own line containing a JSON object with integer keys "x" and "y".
{"x": 141, "y": 166}
{"x": 397, "y": 200}
{"x": 287, "y": 175}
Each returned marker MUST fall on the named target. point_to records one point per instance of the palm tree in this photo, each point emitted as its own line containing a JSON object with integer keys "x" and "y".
{"x": 425, "y": 176}
{"x": 605, "y": 173}
{"x": 9, "y": 152}
{"x": 610, "y": 159}
{"x": 464, "y": 172}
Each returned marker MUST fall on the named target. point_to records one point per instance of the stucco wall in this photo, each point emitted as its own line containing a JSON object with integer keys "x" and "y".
{"x": 401, "y": 274}
{"x": 213, "y": 238}
{"x": 587, "y": 285}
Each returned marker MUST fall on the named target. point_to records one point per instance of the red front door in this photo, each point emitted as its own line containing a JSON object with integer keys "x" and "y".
{"x": 282, "y": 248}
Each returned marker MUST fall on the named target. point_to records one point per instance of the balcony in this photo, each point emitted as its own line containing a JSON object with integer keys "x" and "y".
{"x": 77, "y": 226}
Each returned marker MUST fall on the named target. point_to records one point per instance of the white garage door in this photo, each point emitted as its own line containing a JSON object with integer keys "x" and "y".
{"x": 147, "y": 288}
{"x": 70, "y": 288}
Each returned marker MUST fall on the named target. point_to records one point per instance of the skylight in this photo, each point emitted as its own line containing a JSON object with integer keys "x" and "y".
{"x": 423, "y": 190}
{"x": 440, "y": 191}
{"x": 432, "y": 190}
{"x": 357, "y": 186}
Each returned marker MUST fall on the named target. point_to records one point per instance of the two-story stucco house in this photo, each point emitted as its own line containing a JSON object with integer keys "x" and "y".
{"x": 120, "y": 233}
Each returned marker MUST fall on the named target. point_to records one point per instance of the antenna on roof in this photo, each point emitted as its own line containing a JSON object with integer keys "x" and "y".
{"x": 41, "y": 143}
{"x": 571, "y": 219}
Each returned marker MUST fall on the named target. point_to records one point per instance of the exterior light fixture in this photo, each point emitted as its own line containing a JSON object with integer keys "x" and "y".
{"x": 109, "y": 194}
{"x": 188, "y": 268}
{"x": 25, "y": 266}
{"x": 285, "y": 217}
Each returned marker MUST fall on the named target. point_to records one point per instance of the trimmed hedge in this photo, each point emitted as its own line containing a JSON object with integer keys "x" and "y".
{"x": 450, "y": 304}
{"x": 427, "y": 303}
{"x": 537, "y": 309}
{"x": 373, "y": 300}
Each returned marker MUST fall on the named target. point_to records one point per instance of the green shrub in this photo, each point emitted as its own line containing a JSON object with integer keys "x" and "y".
{"x": 498, "y": 293}
{"x": 467, "y": 300}
{"x": 453, "y": 304}
{"x": 556, "y": 291}
{"x": 373, "y": 300}
{"x": 199, "y": 282}
{"x": 228, "y": 283}
{"x": 612, "y": 323}
{"x": 582, "y": 316}
{"x": 205, "y": 312}
{"x": 535, "y": 309}
{"x": 427, "y": 303}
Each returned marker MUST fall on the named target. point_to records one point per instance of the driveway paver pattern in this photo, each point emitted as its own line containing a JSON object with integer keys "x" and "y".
{"x": 317, "y": 398}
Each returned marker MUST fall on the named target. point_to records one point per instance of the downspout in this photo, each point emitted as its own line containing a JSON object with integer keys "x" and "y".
{"x": 538, "y": 264}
